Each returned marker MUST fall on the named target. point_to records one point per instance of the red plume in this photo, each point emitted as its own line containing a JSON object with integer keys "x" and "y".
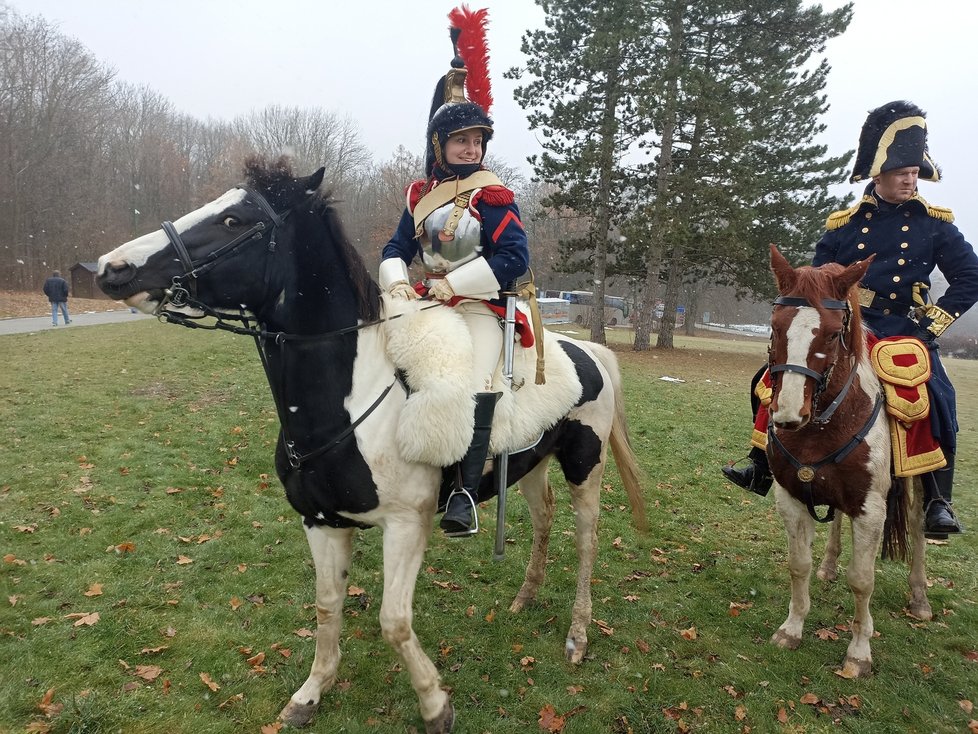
{"x": 474, "y": 50}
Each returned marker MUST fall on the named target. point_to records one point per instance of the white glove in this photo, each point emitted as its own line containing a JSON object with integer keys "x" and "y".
{"x": 441, "y": 290}
{"x": 402, "y": 289}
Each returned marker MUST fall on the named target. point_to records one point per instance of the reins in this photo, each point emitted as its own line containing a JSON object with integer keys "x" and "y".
{"x": 806, "y": 472}
{"x": 183, "y": 294}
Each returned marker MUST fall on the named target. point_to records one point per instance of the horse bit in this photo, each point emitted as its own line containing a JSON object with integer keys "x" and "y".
{"x": 806, "y": 472}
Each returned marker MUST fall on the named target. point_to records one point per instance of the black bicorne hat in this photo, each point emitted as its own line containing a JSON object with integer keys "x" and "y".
{"x": 894, "y": 136}
{"x": 451, "y": 110}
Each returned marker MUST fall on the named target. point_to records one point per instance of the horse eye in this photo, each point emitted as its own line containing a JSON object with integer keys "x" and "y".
{"x": 230, "y": 221}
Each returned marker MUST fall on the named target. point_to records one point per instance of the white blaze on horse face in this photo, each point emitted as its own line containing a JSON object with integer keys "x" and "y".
{"x": 138, "y": 251}
{"x": 799, "y": 337}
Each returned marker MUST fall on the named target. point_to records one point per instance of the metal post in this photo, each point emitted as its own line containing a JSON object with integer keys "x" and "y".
{"x": 502, "y": 461}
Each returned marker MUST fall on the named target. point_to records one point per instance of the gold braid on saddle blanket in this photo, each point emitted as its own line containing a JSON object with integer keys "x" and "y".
{"x": 903, "y": 366}
{"x": 528, "y": 291}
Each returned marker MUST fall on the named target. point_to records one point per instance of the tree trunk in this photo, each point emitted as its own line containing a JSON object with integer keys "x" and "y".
{"x": 602, "y": 215}
{"x": 643, "y": 329}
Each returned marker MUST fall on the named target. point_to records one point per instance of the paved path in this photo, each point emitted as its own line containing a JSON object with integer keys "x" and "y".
{"x": 91, "y": 318}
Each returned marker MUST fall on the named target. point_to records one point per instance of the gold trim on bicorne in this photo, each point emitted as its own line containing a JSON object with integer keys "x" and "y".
{"x": 886, "y": 140}
{"x": 940, "y": 319}
{"x": 446, "y": 191}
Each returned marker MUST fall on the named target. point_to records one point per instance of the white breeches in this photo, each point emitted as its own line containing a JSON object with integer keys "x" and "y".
{"x": 487, "y": 342}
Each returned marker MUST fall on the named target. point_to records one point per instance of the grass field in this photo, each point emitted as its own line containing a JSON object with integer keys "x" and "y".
{"x": 155, "y": 580}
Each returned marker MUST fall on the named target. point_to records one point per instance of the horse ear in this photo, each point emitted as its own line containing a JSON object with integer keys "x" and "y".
{"x": 311, "y": 183}
{"x": 784, "y": 274}
{"x": 853, "y": 274}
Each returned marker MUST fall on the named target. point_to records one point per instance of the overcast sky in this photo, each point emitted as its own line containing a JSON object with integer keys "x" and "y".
{"x": 378, "y": 61}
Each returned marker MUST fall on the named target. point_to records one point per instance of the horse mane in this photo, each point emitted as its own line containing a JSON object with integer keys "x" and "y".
{"x": 277, "y": 177}
{"x": 815, "y": 284}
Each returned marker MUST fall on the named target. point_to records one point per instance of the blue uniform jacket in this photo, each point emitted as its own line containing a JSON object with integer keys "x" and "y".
{"x": 909, "y": 241}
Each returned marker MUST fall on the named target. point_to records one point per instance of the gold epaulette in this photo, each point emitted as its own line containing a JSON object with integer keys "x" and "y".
{"x": 840, "y": 218}
{"x": 940, "y": 212}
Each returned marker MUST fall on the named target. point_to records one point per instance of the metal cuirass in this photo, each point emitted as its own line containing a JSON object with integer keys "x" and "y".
{"x": 444, "y": 257}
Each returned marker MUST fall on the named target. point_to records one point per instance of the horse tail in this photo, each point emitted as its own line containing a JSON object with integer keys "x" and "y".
{"x": 621, "y": 446}
{"x": 896, "y": 542}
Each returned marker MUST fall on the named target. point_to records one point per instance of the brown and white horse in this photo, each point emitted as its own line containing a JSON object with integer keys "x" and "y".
{"x": 829, "y": 444}
{"x": 269, "y": 259}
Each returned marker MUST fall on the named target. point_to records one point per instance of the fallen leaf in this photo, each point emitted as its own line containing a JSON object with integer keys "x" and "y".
{"x": 94, "y": 590}
{"x": 38, "y": 621}
{"x": 46, "y": 707}
{"x": 688, "y": 634}
{"x": 809, "y": 698}
{"x": 84, "y": 619}
{"x": 127, "y": 547}
{"x": 966, "y": 706}
{"x": 826, "y": 634}
{"x": 305, "y": 632}
{"x": 256, "y": 660}
{"x": 549, "y": 720}
{"x": 491, "y": 616}
{"x": 183, "y": 560}
{"x": 355, "y": 591}
{"x": 11, "y": 558}
{"x": 782, "y": 716}
{"x": 148, "y": 672}
{"x": 153, "y": 650}
{"x": 527, "y": 662}
{"x": 273, "y": 728}
{"x": 740, "y": 713}
{"x": 234, "y": 699}
{"x": 13, "y": 599}
{"x": 206, "y": 679}
{"x": 235, "y": 603}
{"x": 604, "y": 627}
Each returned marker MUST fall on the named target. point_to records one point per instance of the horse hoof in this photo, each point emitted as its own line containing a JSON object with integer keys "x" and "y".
{"x": 923, "y": 612}
{"x": 827, "y": 574}
{"x": 853, "y": 668}
{"x": 298, "y": 714}
{"x": 574, "y": 651}
{"x": 443, "y": 723}
{"x": 783, "y": 639}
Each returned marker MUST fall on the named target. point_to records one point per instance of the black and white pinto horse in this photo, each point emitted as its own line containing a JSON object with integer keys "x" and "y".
{"x": 269, "y": 259}
{"x": 829, "y": 444}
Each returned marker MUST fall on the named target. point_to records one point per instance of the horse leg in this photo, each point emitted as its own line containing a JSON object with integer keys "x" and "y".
{"x": 828, "y": 570}
{"x": 800, "y": 528}
{"x": 867, "y": 532}
{"x": 585, "y": 499}
{"x": 405, "y": 540}
{"x": 919, "y": 605}
{"x": 540, "y": 501}
{"x": 331, "y": 555}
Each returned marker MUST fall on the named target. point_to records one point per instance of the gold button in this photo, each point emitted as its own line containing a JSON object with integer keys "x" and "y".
{"x": 861, "y": 246}
{"x": 893, "y": 296}
{"x": 901, "y": 261}
{"x": 905, "y": 228}
{"x": 869, "y": 215}
{"x": 906, "y": 214}
{"x": 904, "y": 245}
{"x": 886, "y": 311}
{"x": 865, "y": 230}
{"x": 896, "y": 278}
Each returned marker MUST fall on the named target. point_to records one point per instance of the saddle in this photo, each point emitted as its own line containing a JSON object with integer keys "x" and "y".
{"x": 903, "y": 366}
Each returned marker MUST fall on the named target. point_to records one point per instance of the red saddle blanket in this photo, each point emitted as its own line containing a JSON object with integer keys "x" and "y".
{"x": 903, "y": 366}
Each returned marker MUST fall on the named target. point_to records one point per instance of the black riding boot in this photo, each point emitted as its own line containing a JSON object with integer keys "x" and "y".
{"x": 939, "y": 519}
{"x": 755, "y": 477}
{"x": 460, "y": 516}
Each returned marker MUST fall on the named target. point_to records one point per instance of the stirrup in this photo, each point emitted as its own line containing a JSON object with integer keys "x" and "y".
{"x": 472, "y": 529}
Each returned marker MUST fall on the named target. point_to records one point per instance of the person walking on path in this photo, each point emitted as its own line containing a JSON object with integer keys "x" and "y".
{"x": 56, "y": 289}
